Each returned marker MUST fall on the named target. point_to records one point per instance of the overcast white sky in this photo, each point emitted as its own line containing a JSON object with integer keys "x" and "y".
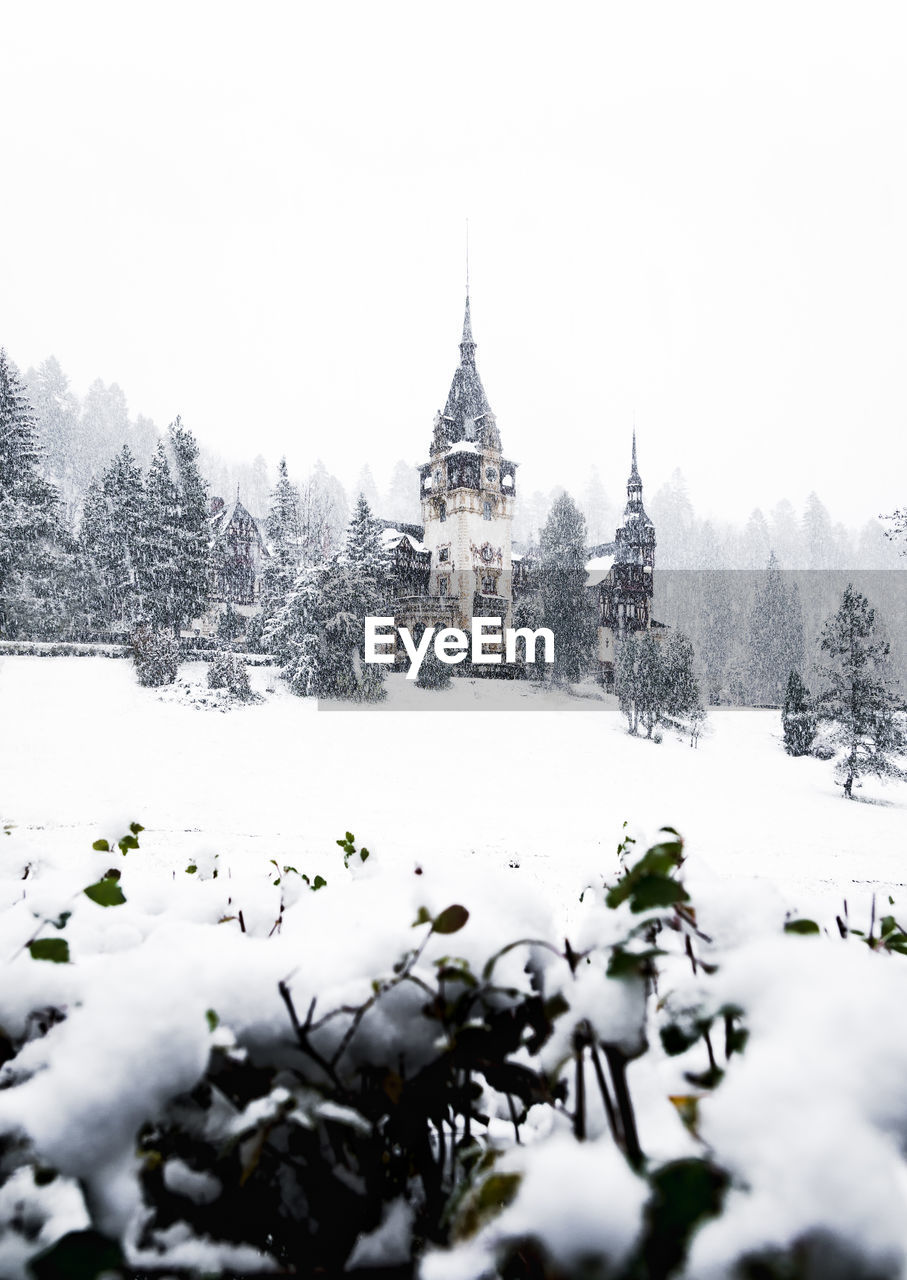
{"x": 253, "y": 215}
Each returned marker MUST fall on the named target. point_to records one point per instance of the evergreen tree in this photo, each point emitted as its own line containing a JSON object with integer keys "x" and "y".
{"x": 319, "y": 632}
{"x": 113, "y": 538}
{"x": 28, "y": 503}
{"x": 565, "y": 603}
{"x": 295, "y": 634}
{"x": 284, "y": 531}
{"x": 56, "y": 412}
{"x": 191, "y": 587}
{"x": 433, "y": 674}
{"x": 403, "y": 495}
{"x": 776, "y": 635}
{"x": 818, "y": 538}
{"x": 798, "y": 717}
{"x": 159, "y": 580}
{"x": 655, "y": 683}
{"x": 601, "y": 517}
{"x": 858, "y": 699}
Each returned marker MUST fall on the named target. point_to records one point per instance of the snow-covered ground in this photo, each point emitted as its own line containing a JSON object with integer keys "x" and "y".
{"x": 510, "y": 812}
{"x": 84, "y": 749}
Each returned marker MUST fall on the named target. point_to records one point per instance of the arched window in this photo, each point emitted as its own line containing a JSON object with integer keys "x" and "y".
{"x": 486, "y": 511}
{"x": 442, "y": 511}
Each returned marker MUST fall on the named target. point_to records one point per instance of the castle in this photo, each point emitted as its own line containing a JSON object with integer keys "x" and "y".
{"x": 460, "y": 562}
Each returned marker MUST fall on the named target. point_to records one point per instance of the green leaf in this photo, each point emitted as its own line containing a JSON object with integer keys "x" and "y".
{"x": 192, "y": 868}
{"x": 79, "y": 1255}
{"x": 60, "y": 922}
{"x": 422, "y": 918}
{"x": 364, "y": 855}
{"x": 451, "y": 919}
{"x": 801, "y": 926}
{"x": 128, "y": 842}
{"x": 212, "y": 1019}
{"x": 102, "y": 846}
{"x": 56, "y": 950}
{"x": 319, "y": 883}
{"x": 657, "y": 891}
{"x": 106, "y": 893}
{"x": 135, "y": 828}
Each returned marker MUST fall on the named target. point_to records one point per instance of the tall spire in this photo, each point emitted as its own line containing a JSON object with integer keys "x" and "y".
{"x": 467, "y": 345}
{"x": 634, "y": 470}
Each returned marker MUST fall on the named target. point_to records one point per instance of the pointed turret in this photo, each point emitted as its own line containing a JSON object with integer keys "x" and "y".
{"x": 467, "y": 405}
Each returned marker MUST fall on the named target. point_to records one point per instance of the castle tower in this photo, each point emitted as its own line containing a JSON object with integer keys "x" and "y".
{"x": 468, "y": 492}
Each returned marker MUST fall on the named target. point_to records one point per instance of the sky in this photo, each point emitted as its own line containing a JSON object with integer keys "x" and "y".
{"x": 687, "y": 216}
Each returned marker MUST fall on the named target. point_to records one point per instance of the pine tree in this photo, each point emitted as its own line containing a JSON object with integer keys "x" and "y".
{"x": 655, "y": 682}
{"x": 403, "y": 495}
{"x": 192, "y": 584}
{"x": 56, "y": 421}
{"x": 433, "y": 674}
{"x": 319, "y": 633}
{"x": 858, "y": 699}
{"x": 28, "y": 503}
{"x": 776, "y": 635}
{"x": 798, "y": 717}
{"x": 284, "y": 530}
{"x": 566, "y": 606}
{"x": 159, "y": 581}
{"x": 113, "y": 538}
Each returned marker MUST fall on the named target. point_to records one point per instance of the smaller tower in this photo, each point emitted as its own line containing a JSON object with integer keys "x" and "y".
{"x": 626, "y": 593}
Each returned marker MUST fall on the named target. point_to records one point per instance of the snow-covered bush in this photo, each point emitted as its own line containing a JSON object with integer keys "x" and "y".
{"x": 228, "y": 672}
{"x": 250, "y": 1074}
{"x": 156, "y": 656}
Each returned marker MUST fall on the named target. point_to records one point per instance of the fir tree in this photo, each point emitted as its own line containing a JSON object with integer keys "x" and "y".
{"x": 318, "y": 633}
{"x": 284, "y": 531}
{"x": 798, "y": 717}
{"x": 433, "y": 674}
{"x": 192, "y": 584}
{"x": 776, "y": 635}
{"x": 565, "y": 604}
{"x": 858, "y": 699}
{"x": 113, "y": 538}
{"x": 28, "y": 503}
{"x": 159, "y": 581}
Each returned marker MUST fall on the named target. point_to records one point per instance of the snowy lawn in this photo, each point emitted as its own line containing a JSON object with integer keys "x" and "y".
{"x": 84, "y": 749}
{"x": 512, "y": 813}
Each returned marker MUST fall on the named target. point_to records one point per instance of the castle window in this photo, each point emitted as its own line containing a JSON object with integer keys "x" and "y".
{"x": 491, "y": 473}
{"x": 444, "y": 554}
{"x": 442, "y": 586}
{"x": 488, "y": 586}
{"x": 442, "y": 511}
{"x": 486, "y": 511}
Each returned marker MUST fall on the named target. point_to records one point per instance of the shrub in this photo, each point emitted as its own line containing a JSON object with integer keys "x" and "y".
{"x": 229, "y": 672}
{"x": 156, "y": 656}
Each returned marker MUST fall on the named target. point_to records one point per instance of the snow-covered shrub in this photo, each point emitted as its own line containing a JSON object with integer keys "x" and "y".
{"x": 798, "y": 717}
{"x": 156, "y": 656}
{"x": 277, "y": 1080}
{"x": 227, "y": 671}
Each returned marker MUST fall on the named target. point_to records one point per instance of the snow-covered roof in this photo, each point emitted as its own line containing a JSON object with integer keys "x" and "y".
{"x": 599, "y": 564}
{"x": 464, "y": 446}
{"x": 393, "y": 537}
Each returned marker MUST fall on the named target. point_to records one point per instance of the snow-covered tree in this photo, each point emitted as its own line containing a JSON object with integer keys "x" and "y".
{"x": 403, "y": 495}
{"x": 818, "y": 536}
{"x": 159, "y": 581}
{"x": 113, "y": 538}
{"x": 655, "y": 682}
{"x": 565, "y": 604}
{"x": 284, "y": 530}
{"x": 798, "y": 717}
{"x": 319, "y": 632}
{"x": 858, "y": 699}
{"x": 56, "y": 412}
{"x": 601, "y": 517}
{"x": 192, "y": 590}
{"x": 775, "y": 634}
{"x": 28, "y": 503}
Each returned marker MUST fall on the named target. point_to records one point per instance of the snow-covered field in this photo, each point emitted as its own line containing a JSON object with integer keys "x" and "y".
{"x": 510, "y": 812}
{"x": 84, "y": 750}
